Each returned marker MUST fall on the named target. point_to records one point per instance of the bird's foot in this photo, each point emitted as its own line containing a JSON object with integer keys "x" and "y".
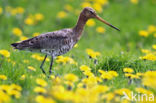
{"x": 50, "y": 73}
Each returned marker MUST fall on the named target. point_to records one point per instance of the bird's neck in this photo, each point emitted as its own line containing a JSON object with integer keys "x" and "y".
{"x": 79, "y": 26}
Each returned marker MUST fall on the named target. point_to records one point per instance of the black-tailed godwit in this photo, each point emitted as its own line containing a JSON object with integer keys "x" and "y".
{"x": 59, "y": 42}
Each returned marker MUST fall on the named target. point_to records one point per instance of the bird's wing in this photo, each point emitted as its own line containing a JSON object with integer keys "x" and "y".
{"x": 50, "y": 40}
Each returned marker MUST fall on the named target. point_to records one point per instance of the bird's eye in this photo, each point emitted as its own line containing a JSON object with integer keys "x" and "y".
{"x": 91, "y": 12}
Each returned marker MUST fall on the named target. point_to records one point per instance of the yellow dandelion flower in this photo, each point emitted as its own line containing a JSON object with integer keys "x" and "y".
{"x": 5, "y": 53}
{"x": 9, "y": 60}
{"x": 68, "y": 7}
{"x": 23, "y": 38}
{"x": 90, "y": 82}
{"x": 98, "y": 79}
{"x": 117, "y": 99}
{"x": 92, "y": 53}
{"x": 41, "y": 82}
{"x": 36, "y": 34}
{"x": 149, "y": 56}
{"x": 143, "y": 91}
{"x": 3, "y": 77}
{"x": 23, "y": 77}
{"x": 124, "y": 101}
{"x": 4, "y": 87}
{"x": 15, "y": 87}
{"x": 83, "y": 93}
{"x": 113, "y": 73}
{"x": 65, "y": 60}
{"x": 134, "y": 1}
{"x": 14, "y": 90}
{"x": 154, "y": 35}
{"x": 154, "y": 46}
{"x": 97, "y": 7}
{"x": 61, "y": 93}
{"x": 61, "y": 14}
{"x": 100, "y": 89}
{"x": 101, "y": 71}
{"x": 13, "y": 63}
{"x": 143, "y": 33}
{"x": 102, "y": 2}
{"x": 69, "y": 83}
{"x": 42, "y": 75}
{"x": 29, "y": 21}
{"x": 107, "y": 76}
{"x": 17, "y": 31}
{"x": 31, "y": 68}
{"x": 100, "y": 29}
{"x": 89, "y": 50}
{"x": 90, "y": 22}
{"x": 145, "y": 51}
{"x": 40, "y": 90}
{"x": 1, "y": 10}
{"x": 76, "y": 45}
{"x": 128, "y": 70}
{"x": 57, "y": 80}
{"x": 88, "y": 73}
{"x": 140, "y": 74}
{"x": 132, "y": 76}
{"x": 52, "y": 76}
{"x": 85, "y": 4}
{"x": 39, "y": 17}
{"x": 39, "y": 98}
{"x": 26, "y": 61}
{"x": 121, "y": 91}
{"x": 13, "y": 11}
{"x": 149, "y": 79}
{"x": 15, "y": 93}
{"x": 97, "y": 53}
{"x": 4, "y": 98}
{"x": 80, "y": 85}
{"x": 85, "y": 68}
{"x": 108, "y": 96}
{"x": 42, "y": 99}
{"x": 71, "y": 77}
{"x": 38, "y": 57}
{"x": 20, "y": 10}
{"x": 151, "y": 29}
{"x": 128, "y": 75}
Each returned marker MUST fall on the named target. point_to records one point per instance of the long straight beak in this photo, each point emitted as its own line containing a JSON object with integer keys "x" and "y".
{"x": 100, "y": 19}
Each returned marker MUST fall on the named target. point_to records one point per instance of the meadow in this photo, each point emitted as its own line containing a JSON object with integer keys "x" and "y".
{"x": 103, "y": 67}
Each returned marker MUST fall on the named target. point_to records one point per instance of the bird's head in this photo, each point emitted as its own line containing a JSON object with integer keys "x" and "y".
{"x": 89, "y": 12}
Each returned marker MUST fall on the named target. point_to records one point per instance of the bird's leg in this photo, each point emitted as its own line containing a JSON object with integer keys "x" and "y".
{"x": 43, "y": 64}
{"x": 51, "y": 64}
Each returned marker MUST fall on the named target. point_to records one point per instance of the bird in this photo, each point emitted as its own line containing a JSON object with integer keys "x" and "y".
{"x": 59, "y": 42}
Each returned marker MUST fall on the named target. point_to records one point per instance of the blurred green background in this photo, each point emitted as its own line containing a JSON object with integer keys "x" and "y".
{"x": 20, "y": 19}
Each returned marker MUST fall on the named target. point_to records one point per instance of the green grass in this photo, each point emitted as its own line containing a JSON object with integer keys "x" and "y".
{"x": 118, "y": 49}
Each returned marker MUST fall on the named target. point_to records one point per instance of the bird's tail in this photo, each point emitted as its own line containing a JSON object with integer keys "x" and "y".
{"x": 17, "y": 46}
{"x": 21, "y": 45}
{"x": 26, "y": 45}
{"x": 14, "y": 45}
